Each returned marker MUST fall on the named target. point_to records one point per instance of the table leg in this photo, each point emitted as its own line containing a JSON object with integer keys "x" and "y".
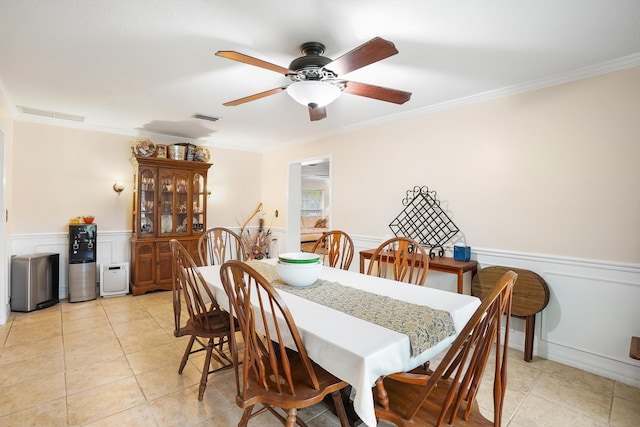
{"x": 634, "y": 350}
{"x": 345, "y": 394}
{"x": 460, "y": 281}
{"x": 530, "y": 327}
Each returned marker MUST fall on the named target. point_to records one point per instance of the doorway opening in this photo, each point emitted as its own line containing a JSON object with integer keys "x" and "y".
{"x": 5, "y": 262}
{"x": 309, "y": 201}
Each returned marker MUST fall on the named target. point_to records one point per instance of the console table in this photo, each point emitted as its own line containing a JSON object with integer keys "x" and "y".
{"x": 441, "y": 264}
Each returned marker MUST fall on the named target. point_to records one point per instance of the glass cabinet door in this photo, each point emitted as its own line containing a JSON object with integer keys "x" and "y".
{"x": 166, "y": 199}
{"x": 199, "y": 193}
{"x": 174, "y": 194}
{"x": 147, "y": 201}
{"x": 182, "y": 208}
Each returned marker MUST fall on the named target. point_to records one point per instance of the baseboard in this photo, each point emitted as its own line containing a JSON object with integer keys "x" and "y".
{"x": 611, "y": 288}
{"x": 4, "y": 314}
{"x": 113, "y": 247}
{"x": 598, "y": 296}
{"x": 625, "y": 373}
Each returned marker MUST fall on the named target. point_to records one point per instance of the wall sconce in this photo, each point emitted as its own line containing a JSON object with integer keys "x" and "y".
{"x": 118, "y": 187}
{"x": 208, "y": 190}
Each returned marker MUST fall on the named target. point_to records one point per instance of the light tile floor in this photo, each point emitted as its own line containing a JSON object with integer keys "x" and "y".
{"x": 114, "y": 361}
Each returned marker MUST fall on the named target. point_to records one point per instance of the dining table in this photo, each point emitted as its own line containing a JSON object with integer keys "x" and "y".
{"x": 357, "y": 348}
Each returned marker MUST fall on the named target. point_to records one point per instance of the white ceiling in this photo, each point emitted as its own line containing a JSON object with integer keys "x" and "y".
{"x": 145, "y": 67}
{"x": 316, "y": 170}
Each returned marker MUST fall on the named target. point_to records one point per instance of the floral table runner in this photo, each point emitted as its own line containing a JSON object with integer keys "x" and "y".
{"x": 424, "y": 325}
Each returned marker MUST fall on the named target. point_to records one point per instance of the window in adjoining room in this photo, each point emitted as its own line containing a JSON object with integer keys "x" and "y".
{"x": 312, "y": 203}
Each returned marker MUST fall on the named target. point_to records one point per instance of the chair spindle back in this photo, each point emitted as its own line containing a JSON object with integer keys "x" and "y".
{"x": 336, "y": 248}
{"x": 401, "y": 259}
{"x": 462, "y": 366}
{"x": 260, "y": 311}
{"x": 220, "y": 244}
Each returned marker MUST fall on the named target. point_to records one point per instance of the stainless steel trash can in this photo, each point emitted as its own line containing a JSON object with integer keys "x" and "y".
{"x": 35, "y": 281}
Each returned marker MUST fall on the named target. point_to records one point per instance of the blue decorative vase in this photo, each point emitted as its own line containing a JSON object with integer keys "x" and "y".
{"x": 462, "y": 253}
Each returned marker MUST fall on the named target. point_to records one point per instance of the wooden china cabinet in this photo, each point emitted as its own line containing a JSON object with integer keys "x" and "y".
{"x": 169, "y": 202}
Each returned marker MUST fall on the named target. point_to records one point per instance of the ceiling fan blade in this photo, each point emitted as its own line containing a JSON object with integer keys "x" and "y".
{"x": 317, "y": 113}
{"x": 254, "y": 96}
{"x": 377, "y": 92}
{"x": 241, "y": 57}
{"x": 372, "y": 51}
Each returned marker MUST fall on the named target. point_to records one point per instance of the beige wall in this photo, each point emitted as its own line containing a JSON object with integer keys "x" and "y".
{"x": 236, "y": 189}
{"x": 6, "y": 126}
{"x": 64, "y": 172}
{"x": 6, "y": 171}
{"x": 61, "y": 173}
{"x": 554, "y": 171}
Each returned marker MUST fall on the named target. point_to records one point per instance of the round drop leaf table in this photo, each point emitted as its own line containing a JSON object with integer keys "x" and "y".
{"x": 530, "y": 296}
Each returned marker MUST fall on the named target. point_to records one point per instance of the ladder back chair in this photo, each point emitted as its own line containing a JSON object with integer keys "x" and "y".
{"x": 336, "y": 249}
{"x": 206, "y": 321}
{"x": 272, "y": 374}
{"x": 402, "y": 259}
{"x": 414, "y": 398}
{"x": 219, "y": 244}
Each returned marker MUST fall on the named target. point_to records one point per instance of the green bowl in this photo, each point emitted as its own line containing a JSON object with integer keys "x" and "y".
{"x": 299, "y": 258}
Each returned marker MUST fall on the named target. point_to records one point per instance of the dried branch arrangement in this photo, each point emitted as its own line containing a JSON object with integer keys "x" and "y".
{"x": 256, "y": 244}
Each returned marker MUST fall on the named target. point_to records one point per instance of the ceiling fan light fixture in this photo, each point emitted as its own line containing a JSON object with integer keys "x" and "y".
{"x": 313, "y": 93}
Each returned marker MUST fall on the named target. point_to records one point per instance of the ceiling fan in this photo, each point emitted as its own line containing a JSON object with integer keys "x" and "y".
{"x": 315, "y": 77}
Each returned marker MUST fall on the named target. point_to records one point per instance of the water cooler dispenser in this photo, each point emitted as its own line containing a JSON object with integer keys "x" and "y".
{"x": 82, "y": 262}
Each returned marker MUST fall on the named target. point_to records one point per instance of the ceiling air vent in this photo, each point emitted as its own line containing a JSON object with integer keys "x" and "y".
{"x": 203, "y": 117}
{"x": 52, "y": 114}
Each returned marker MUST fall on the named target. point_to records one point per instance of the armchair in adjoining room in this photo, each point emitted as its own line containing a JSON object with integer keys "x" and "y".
{"x": 312, "y": 228}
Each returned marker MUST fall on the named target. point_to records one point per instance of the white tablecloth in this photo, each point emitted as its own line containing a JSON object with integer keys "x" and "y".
{"x": 355, "y": 350}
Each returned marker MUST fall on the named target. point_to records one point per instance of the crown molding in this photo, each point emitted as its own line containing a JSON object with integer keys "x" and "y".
{"x": 617, "y": 64}
{"x": 606, "y": 67}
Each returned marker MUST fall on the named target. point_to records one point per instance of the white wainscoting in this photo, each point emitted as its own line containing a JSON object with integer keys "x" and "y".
{"x": 591, "y": 316}
{"x": 113, "y": 247}
{"x": 592, "y": 312}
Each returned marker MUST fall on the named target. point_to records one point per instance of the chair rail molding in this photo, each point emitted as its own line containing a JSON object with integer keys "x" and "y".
{"x": 113, "y": 247}
{"x": 588, "y": 323}
{"x": 592, "y": 312}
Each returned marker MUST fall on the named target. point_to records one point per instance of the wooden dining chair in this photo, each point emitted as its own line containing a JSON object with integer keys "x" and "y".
{"x": 219, "y": 244}
{"x": 413, "y": 398}
{"x": 401, "y": 259}
{"x": 206, "y": 320}
{"x": 336, "y": 249}
{"x": 271, "y": 374}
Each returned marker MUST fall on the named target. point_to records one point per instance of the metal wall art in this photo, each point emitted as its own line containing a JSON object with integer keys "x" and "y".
{"x": 424, "y": 221}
